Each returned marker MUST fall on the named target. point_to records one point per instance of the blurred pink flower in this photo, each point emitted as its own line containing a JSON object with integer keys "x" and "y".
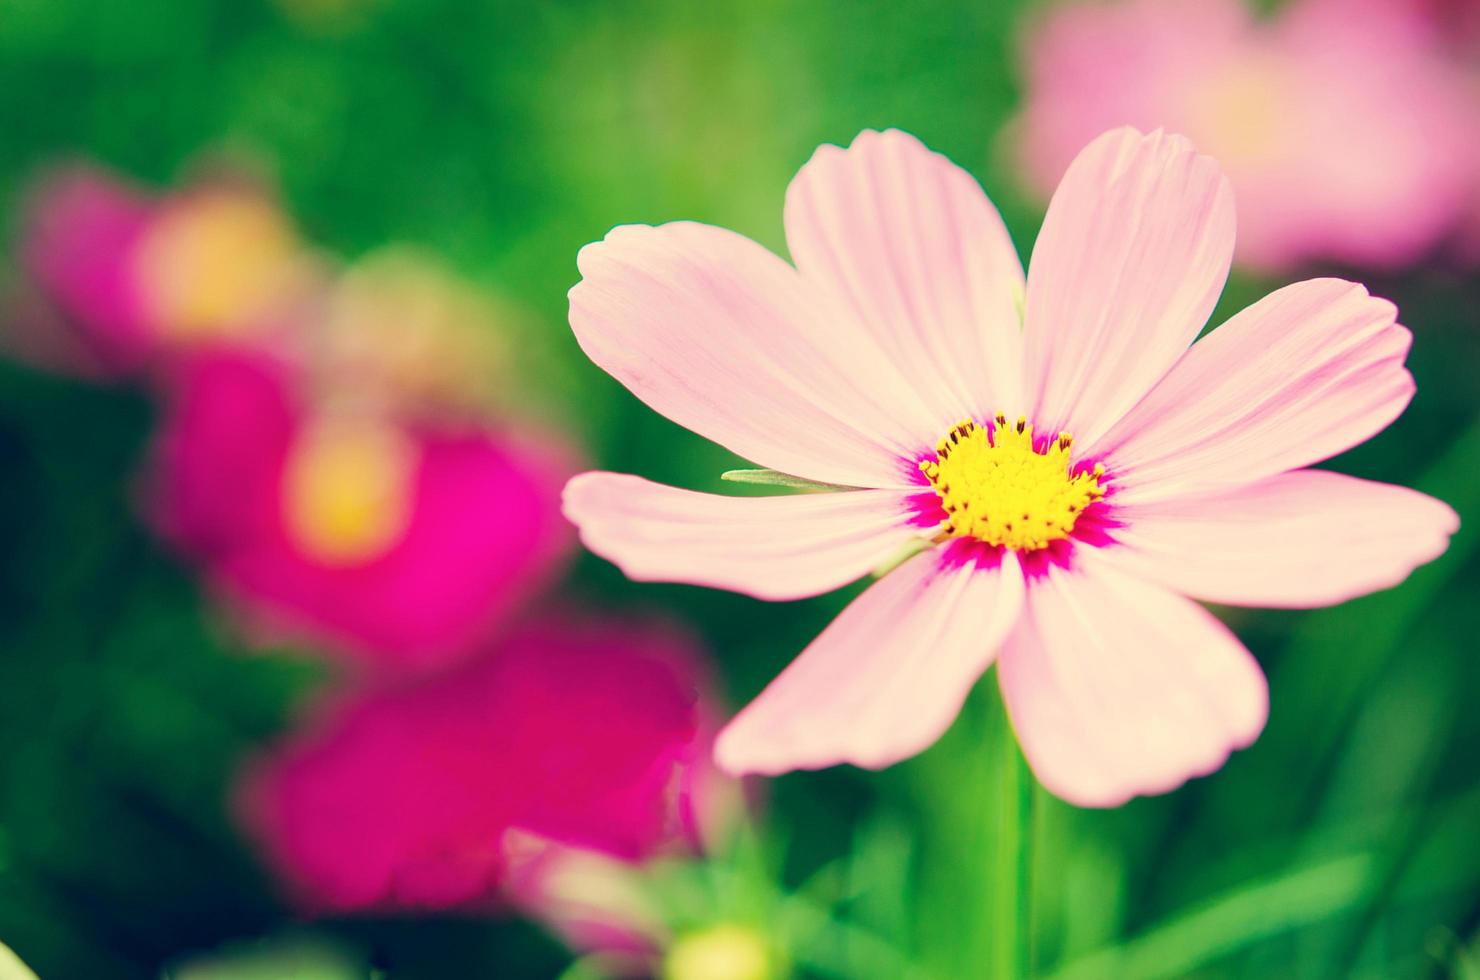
{"x": 396, "y": 544}
{"x": 575, "y": 733}
{"x": 604, "y": 903}
{"x": 1346, "y": 131}
{"x": 81, "y": 228}
{"x": 907, "y": 363}
{"x": 135, "y": 278}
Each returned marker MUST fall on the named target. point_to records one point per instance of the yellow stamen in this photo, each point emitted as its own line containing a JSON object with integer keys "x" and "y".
{"x": 1001, "y": 490}
{"x": 347, "y": 490}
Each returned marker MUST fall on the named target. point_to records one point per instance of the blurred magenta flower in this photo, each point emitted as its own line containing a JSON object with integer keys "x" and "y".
{"x": 907, "y": 364}
{"x": 1346, "y": 130}
{"x": 397, "y": 543}
{"x": 136, "y": 278}
{"x": 607, "y": 904}
{"x": 580, "y": 733}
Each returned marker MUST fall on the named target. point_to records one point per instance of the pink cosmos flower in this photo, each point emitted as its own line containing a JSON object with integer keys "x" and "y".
{"x": 1071, "y": 464}
{"x": 135, "y": 278}
{"x": 399, "y": 545}
{"x": 1347, "y": 133}
{"x": 577, "y": 733}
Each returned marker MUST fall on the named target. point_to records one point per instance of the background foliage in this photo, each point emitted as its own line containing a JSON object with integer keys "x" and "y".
{"x": 503, "y": 136}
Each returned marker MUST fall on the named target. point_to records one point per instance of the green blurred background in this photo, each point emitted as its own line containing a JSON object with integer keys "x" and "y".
{"x": 502, "y": 137}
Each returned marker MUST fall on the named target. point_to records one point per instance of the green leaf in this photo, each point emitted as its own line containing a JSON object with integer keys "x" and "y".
{"x": 908, "y": 550}
{"x": 1184, "y": 943}
{"x": 292, "y": 957}
{"x": 771, "y": 478}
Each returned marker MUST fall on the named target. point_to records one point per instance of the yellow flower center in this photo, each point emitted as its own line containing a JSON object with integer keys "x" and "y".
{"x": 996, "y": 487}
{"x": 347, "y": 490}
{"x": 1240, "y": 113}
{"x": 211, "y": 265}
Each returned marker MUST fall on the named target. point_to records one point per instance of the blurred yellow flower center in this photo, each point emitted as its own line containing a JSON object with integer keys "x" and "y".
{"x": 212, "y": 264}
{"x": 1238, "y": 114}
{"x": 347, "y": 490}
{"x": 722, "y": 952}
{"x": 999, "y": 489}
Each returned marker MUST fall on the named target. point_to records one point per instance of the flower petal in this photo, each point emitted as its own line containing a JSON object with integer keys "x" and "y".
{"x": 1132, "y": 256}
{"x": 724, "y": 338}
{"x": 1308, "y": 371}
{"x": 784, "y": 547}
{"x": 1302, "y": 539}
{"x": 910, "y": 244}
{"x": 1117, "y": 688}
{"x": 82, "y": 230}
{"x": 886, "y": 677}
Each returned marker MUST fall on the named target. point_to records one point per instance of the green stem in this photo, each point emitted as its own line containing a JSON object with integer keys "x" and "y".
{"x": 1012, "y": 860}
{"x": 1027, "y": 788}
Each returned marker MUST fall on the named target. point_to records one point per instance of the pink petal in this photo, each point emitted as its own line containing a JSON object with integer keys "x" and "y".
{"x": 910, "y": 244}
{"x": 1117, "y": 688}
{"x": 785, "y": 547}
{"x": 1308, "y": 538}
{"x": 229, "y": 417}
{"x": 1132, "y": 256}
{"x": 887, "y": 677}
{"x": 1089, "y": 67}
{"x": 726, "y": 339}
{"x": 1308, "y": 371}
